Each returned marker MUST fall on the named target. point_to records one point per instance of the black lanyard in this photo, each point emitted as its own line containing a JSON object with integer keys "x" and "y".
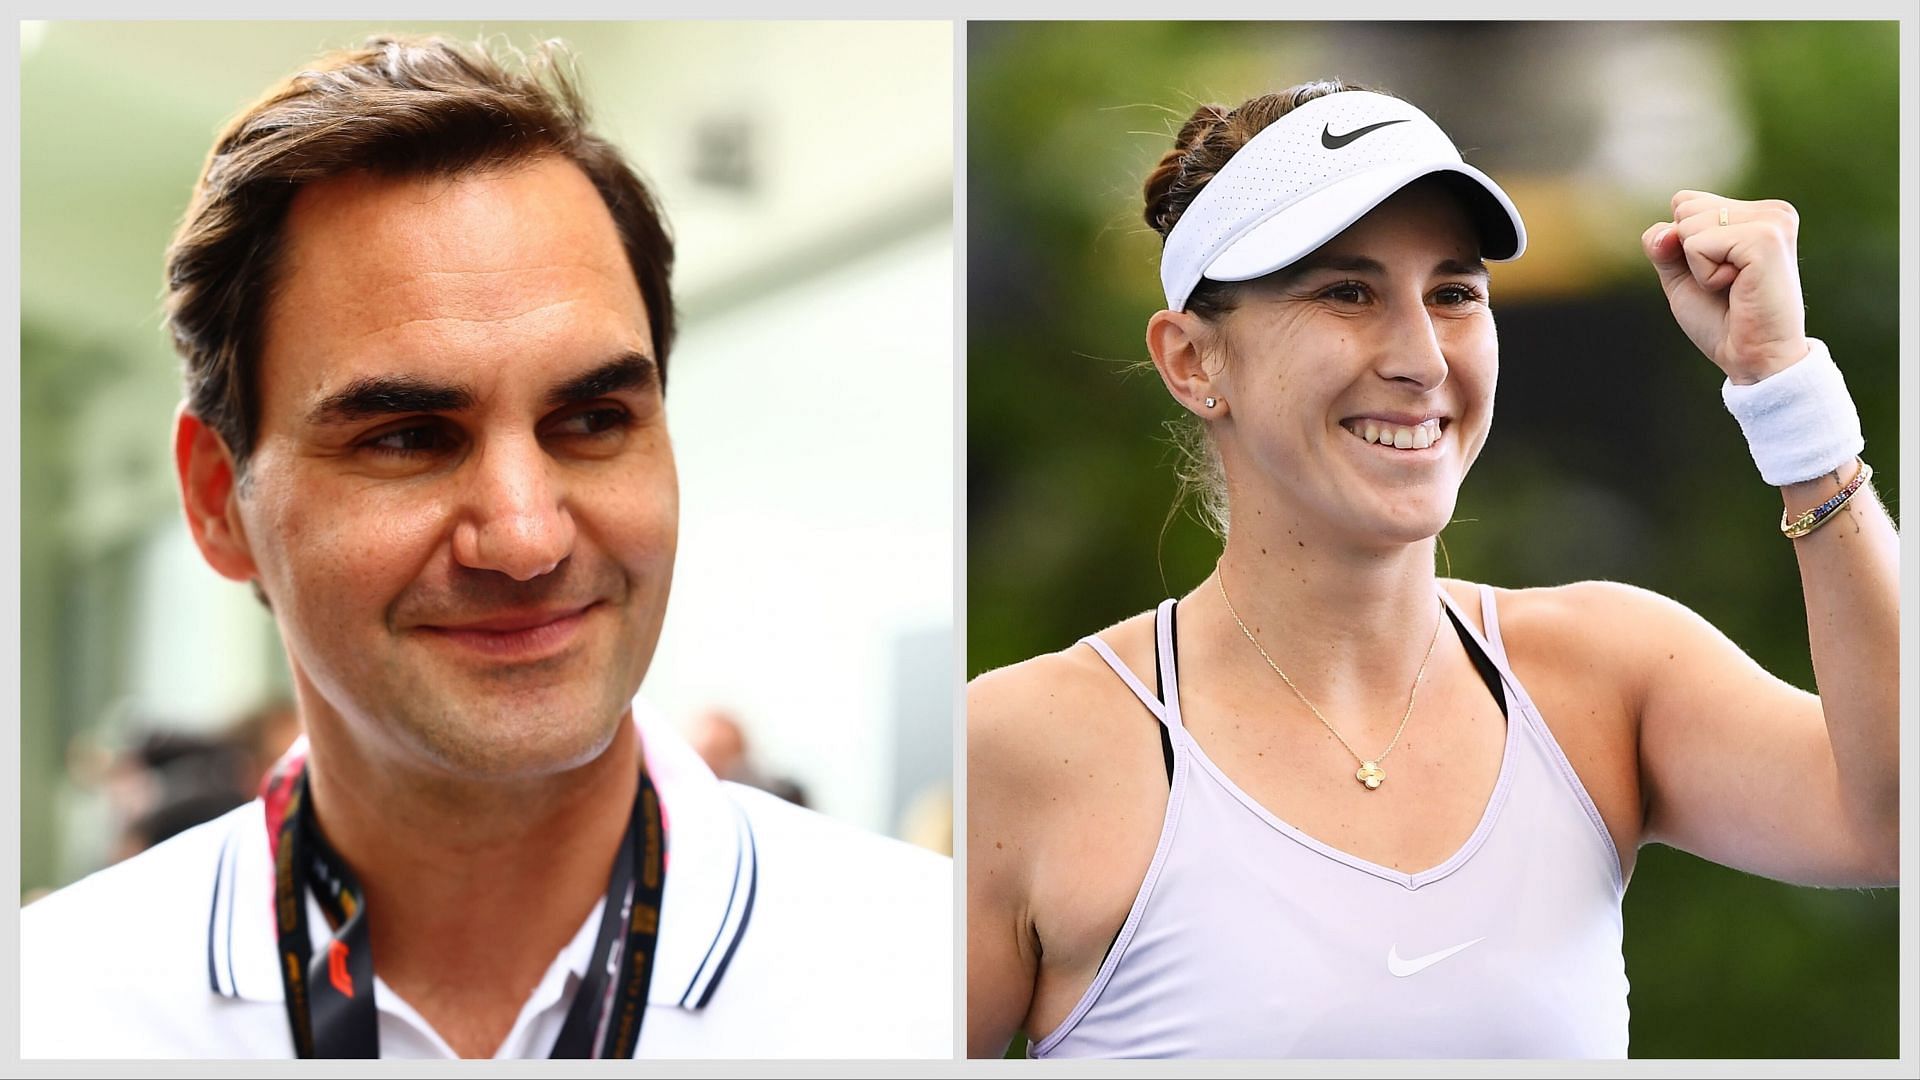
{"x": 330, "y": 997}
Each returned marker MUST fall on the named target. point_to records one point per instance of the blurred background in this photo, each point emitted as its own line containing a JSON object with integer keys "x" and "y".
{"x": 808, "y": 646}
{"x": 1611, "y": 457}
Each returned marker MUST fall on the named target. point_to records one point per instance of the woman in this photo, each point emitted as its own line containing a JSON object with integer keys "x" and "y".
{"x": 1327, "y": 804}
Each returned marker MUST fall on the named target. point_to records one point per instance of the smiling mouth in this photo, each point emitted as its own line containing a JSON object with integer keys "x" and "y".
{"x": 516, "y": 637}
{"x": 1396, "y": 436}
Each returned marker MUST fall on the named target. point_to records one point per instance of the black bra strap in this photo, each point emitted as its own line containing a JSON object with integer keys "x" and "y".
{"x": 1482, "y": 663}
{"x": 1160, "y": 691}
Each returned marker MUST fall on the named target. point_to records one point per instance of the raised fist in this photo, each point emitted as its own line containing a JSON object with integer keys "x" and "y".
{"x": 1731, "y": 276}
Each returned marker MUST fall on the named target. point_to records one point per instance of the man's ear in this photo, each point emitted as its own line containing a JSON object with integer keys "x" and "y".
{"x": 209, "y": 497}
{"x": 1175, "y": 340}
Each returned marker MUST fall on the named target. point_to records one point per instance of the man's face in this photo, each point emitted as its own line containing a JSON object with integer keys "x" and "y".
{"x": 462, "y": 504}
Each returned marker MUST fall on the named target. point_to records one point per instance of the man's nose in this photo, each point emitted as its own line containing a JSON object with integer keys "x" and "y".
{"x": 1414, "y": 350}
{"x": 513, "y": 515}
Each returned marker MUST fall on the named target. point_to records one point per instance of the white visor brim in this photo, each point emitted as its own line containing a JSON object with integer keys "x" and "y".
{"x": 1304, "y": 226}
{"x": 1307, "y": 176}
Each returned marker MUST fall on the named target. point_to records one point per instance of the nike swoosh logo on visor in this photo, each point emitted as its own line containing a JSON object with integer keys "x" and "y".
{"x": 1418, "y": 964}
{"x": 1334, "y": 142}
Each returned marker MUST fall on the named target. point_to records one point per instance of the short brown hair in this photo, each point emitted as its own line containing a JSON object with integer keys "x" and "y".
{"x": 398, "y": 107}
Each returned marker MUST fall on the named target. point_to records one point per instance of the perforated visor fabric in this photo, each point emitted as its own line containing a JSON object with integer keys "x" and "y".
{"x": 1309, "y": 175}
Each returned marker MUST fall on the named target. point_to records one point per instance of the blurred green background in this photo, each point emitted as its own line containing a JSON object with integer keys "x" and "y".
{"x": 1611, "y": 457}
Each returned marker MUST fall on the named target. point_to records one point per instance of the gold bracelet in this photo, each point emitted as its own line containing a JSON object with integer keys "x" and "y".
{"x": 1798, "y": 527}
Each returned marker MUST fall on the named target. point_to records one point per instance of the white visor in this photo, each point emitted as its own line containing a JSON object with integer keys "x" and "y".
{"x": 1307, "y": 176}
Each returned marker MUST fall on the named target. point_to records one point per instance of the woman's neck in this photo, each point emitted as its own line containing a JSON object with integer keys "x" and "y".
{"x": 1334, "y": 617}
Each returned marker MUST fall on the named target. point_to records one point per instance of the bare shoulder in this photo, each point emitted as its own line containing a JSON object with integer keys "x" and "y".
{"x": 1646, "y": 649}
{"x": 1056, "y": 744}
{"x": 1059, "y": 701}
{"x": 1580, "y": 600}
{"x": 1599, "y": 627}
{"x": 1585, "y": 651}
{"x": 1054, "y": 741}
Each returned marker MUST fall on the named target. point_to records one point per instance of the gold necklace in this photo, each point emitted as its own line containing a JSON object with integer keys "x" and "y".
{"x": 1370, "y": 773}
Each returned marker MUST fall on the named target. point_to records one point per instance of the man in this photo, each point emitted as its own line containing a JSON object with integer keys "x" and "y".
{"x": 426, "y": 321}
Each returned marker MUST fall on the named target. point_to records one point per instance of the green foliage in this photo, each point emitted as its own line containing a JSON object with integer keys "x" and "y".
{"x": 1611, "y": 456}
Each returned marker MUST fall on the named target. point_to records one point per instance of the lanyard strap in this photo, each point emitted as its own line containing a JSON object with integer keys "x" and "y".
{"x": 330, "y": 997}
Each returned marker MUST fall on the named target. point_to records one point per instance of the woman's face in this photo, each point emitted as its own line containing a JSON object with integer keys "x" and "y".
{"x": 1360, "y": 380}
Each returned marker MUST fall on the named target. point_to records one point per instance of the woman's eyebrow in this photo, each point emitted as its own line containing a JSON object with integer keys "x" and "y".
{"x": 1472, "y": 268}
{"x": 1361, "y": 264}
{"x": 1352, "y": 264}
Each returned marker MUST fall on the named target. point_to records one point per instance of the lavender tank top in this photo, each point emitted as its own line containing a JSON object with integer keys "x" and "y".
{"x": 1251, "y": 939}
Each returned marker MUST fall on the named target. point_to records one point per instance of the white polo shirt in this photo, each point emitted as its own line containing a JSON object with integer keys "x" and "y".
{"x": 783, "y": 933}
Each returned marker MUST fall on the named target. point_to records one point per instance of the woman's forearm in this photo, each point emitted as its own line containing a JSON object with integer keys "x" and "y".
{"x": 1850, "y": 572}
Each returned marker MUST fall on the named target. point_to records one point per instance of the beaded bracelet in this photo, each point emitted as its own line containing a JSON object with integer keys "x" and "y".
{"x": 1816, "y": 517}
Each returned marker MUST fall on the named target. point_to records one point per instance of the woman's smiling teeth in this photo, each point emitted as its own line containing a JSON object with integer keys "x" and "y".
{"x": 1418, "y": 437}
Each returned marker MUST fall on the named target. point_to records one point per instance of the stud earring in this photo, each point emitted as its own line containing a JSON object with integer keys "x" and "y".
{"x": 1211, "y": 403}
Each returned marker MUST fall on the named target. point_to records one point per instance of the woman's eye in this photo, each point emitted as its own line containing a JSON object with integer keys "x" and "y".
{"x": 1455, "y": 295}
{"x": 1347, "y": 292}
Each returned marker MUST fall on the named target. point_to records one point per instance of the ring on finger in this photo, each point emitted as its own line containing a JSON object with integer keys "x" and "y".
{"x": 1723, "y": 215}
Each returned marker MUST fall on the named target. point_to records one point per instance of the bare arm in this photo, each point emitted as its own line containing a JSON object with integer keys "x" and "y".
{"x": 1737, "y": 766}
{"x": 1002, "y": 951}
{"x": 1850, "y": 574}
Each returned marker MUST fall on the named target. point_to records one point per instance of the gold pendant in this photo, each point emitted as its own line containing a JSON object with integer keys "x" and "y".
{"x": 1370, "y": 774}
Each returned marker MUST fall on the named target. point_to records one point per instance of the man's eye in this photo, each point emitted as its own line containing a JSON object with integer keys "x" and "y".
{"x": 410, "y": 441}
{"x": 591, "y": 422}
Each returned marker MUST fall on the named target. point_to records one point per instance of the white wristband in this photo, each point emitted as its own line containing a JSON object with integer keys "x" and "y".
{"x": 1800, "y": 422}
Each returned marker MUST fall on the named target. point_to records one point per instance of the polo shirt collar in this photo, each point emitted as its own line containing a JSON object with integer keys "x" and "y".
{"x": 712, "y": 878}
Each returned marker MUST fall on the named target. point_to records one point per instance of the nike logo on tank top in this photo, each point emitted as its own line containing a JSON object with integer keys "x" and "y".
{"x": 1251, "y": 939}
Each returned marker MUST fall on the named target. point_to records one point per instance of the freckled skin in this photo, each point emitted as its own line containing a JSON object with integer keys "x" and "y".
{"x": 508, "y": 283}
